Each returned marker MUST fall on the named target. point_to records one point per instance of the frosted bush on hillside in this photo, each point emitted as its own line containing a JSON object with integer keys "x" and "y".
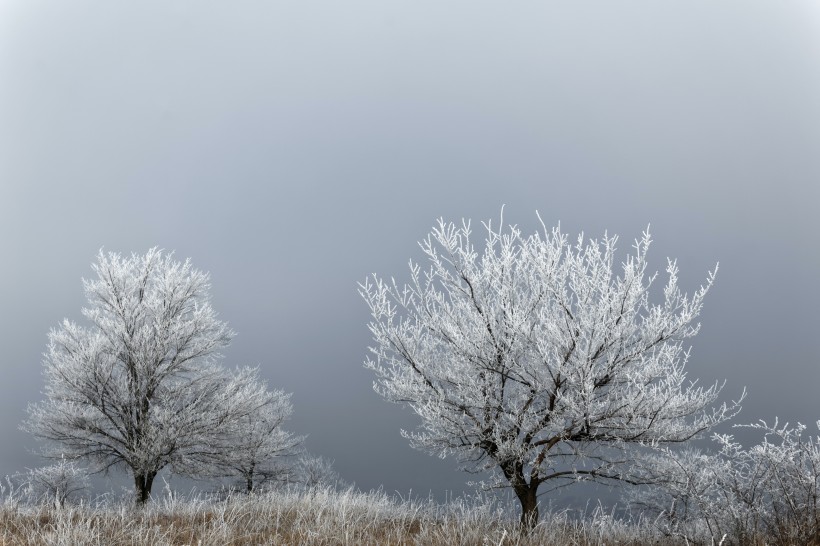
{"x": 315, "y": 471}
{"x": 684, "y": 500}
{"x": 771, "y": 489}
{"x": 55, "y": 484}
{"x": 258, "y": 452}
{"x": 776, "y": 482}
{"x": 301, "y": 472}
{"x": 540, "y": 360}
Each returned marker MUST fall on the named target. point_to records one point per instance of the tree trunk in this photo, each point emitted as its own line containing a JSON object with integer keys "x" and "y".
{"x": 249, "y": 477}
{"x": 528, "y": 497}
{"x": 527, "y": 493}
{"x": 142, "y": 486}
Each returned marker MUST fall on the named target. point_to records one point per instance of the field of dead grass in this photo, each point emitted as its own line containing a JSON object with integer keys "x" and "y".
{"x": 292, "y": 517}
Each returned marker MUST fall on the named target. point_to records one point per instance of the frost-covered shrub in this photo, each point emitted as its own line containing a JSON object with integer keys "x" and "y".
{"x": 258, "y": 453}
{"x": 684, "y": 499}
{"x": 769, "y": 491}
{"x": 776, "y": 483}
{"x": 314, "y": 471}
{"x": 58, "y": 483}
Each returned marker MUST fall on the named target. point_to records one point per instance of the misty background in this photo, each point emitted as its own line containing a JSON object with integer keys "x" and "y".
{"x": 293, "y": 148}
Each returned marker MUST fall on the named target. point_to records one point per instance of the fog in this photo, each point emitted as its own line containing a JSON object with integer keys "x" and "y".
{"x": 293, "y": 148}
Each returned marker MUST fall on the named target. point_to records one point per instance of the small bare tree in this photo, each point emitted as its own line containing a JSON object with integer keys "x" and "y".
{"x": 258, "y": 449}
{"x": 139, "y": 386}
{"x": 536, "y": 358}
{"x": 770, "y": 491}
{"x": 57, "y": 483}
{"x": 315, "y": 471}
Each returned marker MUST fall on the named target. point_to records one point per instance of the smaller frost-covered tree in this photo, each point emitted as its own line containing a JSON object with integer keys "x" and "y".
{"x": 684, "y": 498}
{"x": 57, "y": 483}
{"x": 776, "y": 482}
{"x": 258, "y": 450}
{"x": 771, "y": 490}
{"x": 316, "y": 471}
{"x": 540, "y": 359}
{"x": 139, "y": 386}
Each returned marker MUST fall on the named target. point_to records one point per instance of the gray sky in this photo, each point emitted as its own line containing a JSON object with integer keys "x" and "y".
{"x": 292, "y": 148}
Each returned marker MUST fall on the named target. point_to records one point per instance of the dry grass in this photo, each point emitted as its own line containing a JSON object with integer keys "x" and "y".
{"x": 325, "y": 517}
{"x": 319, "y": 517}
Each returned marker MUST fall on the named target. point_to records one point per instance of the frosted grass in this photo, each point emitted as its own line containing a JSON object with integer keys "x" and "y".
{"x": 312, "y": 517}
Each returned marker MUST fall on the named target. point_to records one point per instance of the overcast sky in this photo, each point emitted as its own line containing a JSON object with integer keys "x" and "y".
{"x": 291, "y": 148}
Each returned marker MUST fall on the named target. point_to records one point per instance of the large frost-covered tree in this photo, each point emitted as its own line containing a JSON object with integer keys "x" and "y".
{"x": 139, "y": 386}
{"x": 541, "y": 360}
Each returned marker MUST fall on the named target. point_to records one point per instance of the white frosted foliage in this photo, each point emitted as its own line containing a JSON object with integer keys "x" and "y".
{"x": 138, "y": 385}
{"x": 258, "y": 451}
{"x": 537, "y": 358}
{"x": 770, "y": 489}
{"x": 55, "y": 484}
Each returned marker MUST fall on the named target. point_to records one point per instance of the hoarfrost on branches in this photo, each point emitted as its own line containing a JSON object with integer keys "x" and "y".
{"x": 316, "y": 471}
{"x": 258, "y": 451}
{"x": 537, "y": 358}
{"x": 771, "y": 489}
{"x": 139, "y": 386}
{"x": 56, "y": 484}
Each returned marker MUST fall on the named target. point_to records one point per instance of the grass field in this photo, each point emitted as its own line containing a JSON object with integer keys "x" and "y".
{"x": 318, "y": 517}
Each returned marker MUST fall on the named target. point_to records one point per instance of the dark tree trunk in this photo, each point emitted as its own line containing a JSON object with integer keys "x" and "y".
{"x": 528, "y": 497}
{"x": 249, "y": 478}
{"x": 527, "y": 493}
{"x": 142, "y": 486}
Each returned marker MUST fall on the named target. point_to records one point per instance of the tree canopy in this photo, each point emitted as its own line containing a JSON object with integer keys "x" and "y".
{"x": 541, "y": 360}
{"x": 139, "y": 385}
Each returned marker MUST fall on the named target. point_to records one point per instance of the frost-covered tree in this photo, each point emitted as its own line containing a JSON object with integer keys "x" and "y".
{"x": 258, "y": 450}
{"x": 315, "y": 471}
{"x": 542, "y": 360}
{"x": 57, "y": 483}
{"x": 139, "y": 386}
{"x": 685, "y": 498}
{"x": 769, "y": 492}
